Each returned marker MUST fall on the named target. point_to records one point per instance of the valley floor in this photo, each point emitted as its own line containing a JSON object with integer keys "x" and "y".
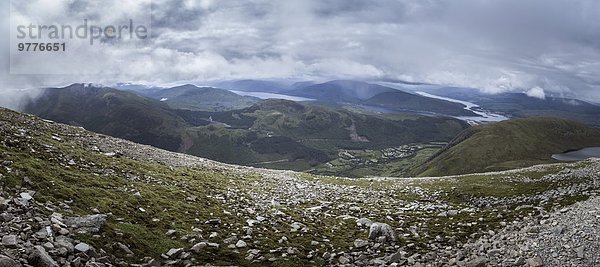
{"x": 69, "y": 196}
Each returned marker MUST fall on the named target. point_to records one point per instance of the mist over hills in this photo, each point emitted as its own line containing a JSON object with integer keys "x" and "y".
{"x": 333, "y": 92}
{"x": 520, "y": 105}
{"x": 362, "y": 93}
{"x": 399, "y": 97}
{"x": 257, "y": 86}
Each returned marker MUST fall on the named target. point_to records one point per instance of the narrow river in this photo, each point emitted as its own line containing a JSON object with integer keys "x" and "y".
{"x": 484, "y": 115}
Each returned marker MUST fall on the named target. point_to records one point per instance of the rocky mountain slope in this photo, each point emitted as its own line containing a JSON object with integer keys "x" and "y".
{"x": 69, "y": 196}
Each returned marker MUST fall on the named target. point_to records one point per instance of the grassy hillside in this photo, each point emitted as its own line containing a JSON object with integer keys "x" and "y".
{"x": 509, "y": 144}
{"x": 112, "y": 112}
{"x": 301, "y": 136}
{"x": 191, "y": 97}
{"x": 272, "y": 133}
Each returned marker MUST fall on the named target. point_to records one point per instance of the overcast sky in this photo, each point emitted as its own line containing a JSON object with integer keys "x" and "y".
{"x": 535, "y": 46}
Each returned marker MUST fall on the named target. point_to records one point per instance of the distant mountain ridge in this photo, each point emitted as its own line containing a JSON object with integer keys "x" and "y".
{"x": 520, "y": 105}
{"x": 351, "y": 92}
{"x": 362, "y": 93}
{"x": 192, "y": 97}
{"x": 342, "y": 91}
{"x": 255, "y": 86}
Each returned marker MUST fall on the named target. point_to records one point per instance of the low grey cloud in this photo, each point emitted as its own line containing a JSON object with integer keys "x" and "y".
{"x": 539, "y": 47}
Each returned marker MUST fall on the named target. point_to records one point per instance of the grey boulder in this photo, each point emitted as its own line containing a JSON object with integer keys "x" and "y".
{"x": 381, "y": 229}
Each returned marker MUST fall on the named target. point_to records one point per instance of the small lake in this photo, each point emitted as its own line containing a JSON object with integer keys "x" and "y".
{"x": 586, "y": 153}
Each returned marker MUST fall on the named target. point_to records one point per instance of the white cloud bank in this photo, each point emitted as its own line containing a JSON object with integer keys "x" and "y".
{"x": 536, "y": 92}
{"x": 496, "y": 46}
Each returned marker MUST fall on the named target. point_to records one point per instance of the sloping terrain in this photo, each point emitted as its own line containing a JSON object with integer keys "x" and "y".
{"x": 509, "y": 144}
{"x": 272, "y": 133}
{"x": 402, "y": 101}
{"x": 290, "y": 135}
{"x": 161, "y": 208}
{"x": 342, "y": 91}
{"x": 113, "y": 112}
{"x": 191, "y": 97}
{"x": 361, "y": 93}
